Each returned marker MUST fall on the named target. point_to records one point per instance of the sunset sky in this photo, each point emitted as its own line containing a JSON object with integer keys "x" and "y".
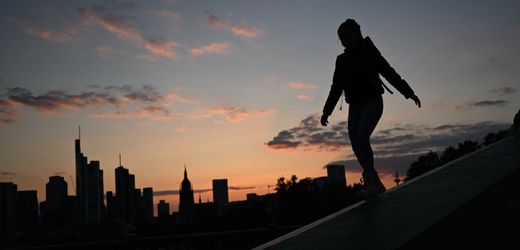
{"x": 234, "y": 89}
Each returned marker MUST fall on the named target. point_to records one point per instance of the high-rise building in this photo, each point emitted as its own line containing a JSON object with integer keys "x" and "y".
{"x": 220, "y": 192}
{"x": 111, "y": 206}
{"x": 27, "y": 206}
{"x": 81, "y": 181}
{"x": 8, "y": 210}
{"x": 186, "y": 199}
{"x": 96, "y": 205}
{"x": 56, "y": 194}
{"x": 147, "y": 202}
{"x": 163, "y": 209}
{"x": 336, "y": 174}
{"x": 54, "y": 210}
{"x": 124, "y": 192}
{"x": 89, "y": 187}
{"x": 128, "y": 198}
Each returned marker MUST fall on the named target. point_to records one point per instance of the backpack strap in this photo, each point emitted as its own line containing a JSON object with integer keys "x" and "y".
{"x": 384, "y": 85}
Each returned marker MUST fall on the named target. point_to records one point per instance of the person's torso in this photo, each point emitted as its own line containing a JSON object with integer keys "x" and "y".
{"x": 358, "y": 73}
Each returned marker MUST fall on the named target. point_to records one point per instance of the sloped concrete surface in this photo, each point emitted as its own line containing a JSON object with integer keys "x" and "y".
{"x": 402, "y": 214}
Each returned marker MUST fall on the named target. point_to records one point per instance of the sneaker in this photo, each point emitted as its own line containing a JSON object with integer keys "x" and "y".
{"x": 372, "y": 186}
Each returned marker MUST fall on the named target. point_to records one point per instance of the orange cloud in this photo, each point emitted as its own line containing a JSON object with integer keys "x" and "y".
{"x": 246, "y": 32}
{"x": 302, "y": 85}
{"x": 240, "y": 31}
{"x": 214, "y": 48}
{"x": 182, "y": 129}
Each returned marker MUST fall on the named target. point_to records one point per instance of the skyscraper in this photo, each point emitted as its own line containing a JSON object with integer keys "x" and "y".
{"x": 163, "y": 209}
{"x": 89, "y": 187}
{"x": 147, "y": 202}
{"x": 56, "y": 193}
{"x": 95, "y": 195}
{"x": 128, "y": 198}
{"x": 186, "y": 199}
{"x": 336, "y": 174}
{"x": 8, "y": 210}
{"x": 27, "y": 209}
{"x": 111, "y": 206}
{"x": 124, "y": 192}
{"x": 220, "y": 192}
{"x": 81, "y": 181}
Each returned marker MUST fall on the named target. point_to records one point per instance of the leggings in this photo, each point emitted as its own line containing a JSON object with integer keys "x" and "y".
{"x": 362, "y": 120}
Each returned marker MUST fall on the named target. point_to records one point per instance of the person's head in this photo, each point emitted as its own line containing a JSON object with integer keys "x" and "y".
{"x": 349, "y": 33}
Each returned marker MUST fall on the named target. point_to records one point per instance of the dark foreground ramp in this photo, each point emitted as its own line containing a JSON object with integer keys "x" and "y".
{"x": 470, "y": 203}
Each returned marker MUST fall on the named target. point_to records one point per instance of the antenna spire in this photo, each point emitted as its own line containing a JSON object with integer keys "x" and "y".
{"x": 120, "y": 159}
{"x": 79, "y": 132}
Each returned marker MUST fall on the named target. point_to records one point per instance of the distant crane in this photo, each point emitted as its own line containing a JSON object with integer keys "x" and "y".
{"x": 268, "y": 188}
{"x": 397, "y": 180}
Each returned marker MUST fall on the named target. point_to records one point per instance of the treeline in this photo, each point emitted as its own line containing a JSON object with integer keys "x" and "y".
{"x": 301, "y": 201}
{"x": 432, "y": 160}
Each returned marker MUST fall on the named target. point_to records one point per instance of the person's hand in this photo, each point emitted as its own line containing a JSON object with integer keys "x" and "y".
{"x": 416, "y": 100}
{"x": 324, "y": 120}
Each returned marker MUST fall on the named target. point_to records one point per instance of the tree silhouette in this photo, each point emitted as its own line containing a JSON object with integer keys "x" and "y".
{"x": 432, "y": 160}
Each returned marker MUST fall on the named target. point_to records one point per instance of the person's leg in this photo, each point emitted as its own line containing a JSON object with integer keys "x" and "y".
{"x": 354, "y": 115}
{"x": 369, "y": 117}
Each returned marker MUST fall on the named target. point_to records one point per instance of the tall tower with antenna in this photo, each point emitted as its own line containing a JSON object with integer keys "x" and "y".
{"x": 81, "y": 179}
{"x": 89, "y": 186}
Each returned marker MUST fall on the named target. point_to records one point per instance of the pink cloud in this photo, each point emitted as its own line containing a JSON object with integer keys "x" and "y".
{"x": 155, "y": 113}
{"x": 302, "y": 85}
{"x": 238, "y": 114}
{"x": 103, "y": 51}
{"x": 305, "y": 97}
{"x": 168, "y": 14}
{"x": 457, "y": 108}
{"x": 118, "y": 27}
{"x": 162, "y": 47}
{"x": 213, "y": 48}
{"x": 38, "y": 29}
{"x": 240, "y": 31}
{"x": 246, "y": 32}
{"x": 121, "y": 26}
{"x": 8, "y": 111}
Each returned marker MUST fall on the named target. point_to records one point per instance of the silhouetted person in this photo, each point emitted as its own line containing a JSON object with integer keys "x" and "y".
{"x": 357, "y": 76}
{"x": 516, "y": 122}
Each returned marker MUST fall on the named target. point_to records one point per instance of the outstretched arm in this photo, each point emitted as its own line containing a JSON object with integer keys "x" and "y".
{"x": 393, "y": 78}
{"x": 334, "y": 95}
